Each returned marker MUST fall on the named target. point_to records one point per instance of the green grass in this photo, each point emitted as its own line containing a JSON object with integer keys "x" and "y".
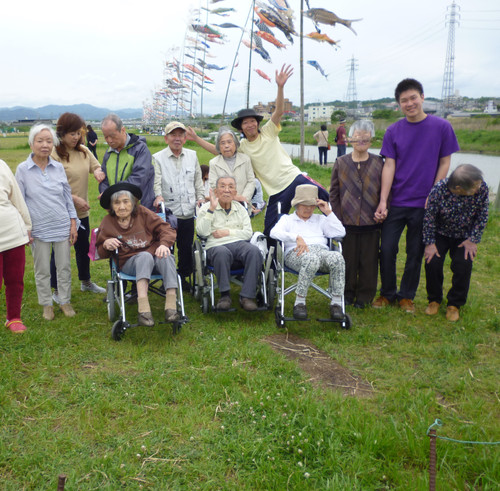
{"x": 214, "y": 407}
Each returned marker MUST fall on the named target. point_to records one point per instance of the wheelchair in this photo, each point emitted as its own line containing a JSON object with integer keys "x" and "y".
{"x": 116, "y": 295}
{"x": 204, "y": 280}
{"x": 116, "y": 292}
{"x": 282, "y": 291}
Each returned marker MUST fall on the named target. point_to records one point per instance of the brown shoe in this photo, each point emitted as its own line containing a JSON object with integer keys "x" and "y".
{"x": 248, "y": 304}
{"x": 381, "y": 302}
{"x": 452, "y": 314}
{"x": 48, "y": 312}
{"x": 171, "y": 315}
{"x": 145, "y": 319}
{"x": 432, "y": 308}
{"x": 224, "y": 303}
{"x": 407, "y": 305}
{"x": 67, "y": 309}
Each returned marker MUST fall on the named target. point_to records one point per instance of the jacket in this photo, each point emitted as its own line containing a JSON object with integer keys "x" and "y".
{"x": 133, "y": 165}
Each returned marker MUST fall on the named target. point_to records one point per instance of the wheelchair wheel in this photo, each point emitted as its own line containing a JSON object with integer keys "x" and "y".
{"x": 118, "y": 329}
{"x": 110, "y": 299}
{"x": 204, "y": 304}
{"x": 198, "y": 280}
{"x": 279, "y": 320}
{"x": 347, "y": 322}
{"x": 271, "y": 289}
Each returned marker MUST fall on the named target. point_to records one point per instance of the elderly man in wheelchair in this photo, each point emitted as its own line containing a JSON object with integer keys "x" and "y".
{"x": 226, "y": 226}
{"x": 306, "y": 251}
{"x": 143, "y": 241}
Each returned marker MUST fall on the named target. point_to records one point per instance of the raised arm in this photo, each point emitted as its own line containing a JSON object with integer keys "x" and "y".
{"x": 281, "y": 78}
{"x": 192, "y": 136}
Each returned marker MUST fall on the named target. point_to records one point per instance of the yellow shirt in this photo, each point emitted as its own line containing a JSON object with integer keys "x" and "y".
{"x": 272, "y": 165}
{"x": 77, "y": 170}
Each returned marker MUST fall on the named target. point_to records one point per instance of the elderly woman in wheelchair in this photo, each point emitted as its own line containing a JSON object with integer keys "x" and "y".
{"x": 142, "y": 242}
{"x": 305, "y": 236}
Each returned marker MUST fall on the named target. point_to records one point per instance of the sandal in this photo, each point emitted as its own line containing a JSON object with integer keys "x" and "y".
{"x": 15, "y": 325}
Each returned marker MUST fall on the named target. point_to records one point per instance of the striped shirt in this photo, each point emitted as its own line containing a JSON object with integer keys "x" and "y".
{"x": 48, "y": 197}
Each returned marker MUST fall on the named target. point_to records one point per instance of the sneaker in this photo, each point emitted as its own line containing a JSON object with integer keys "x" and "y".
{"x": 407, "y": 305}
{"x": 67, "y": 309}
{"x": 432, "y": 308}
{"x": 171, "y": 315}
{"x": 92, "y": 288}
{"x": 15, "y": 325}
{"x": 48, "y": 312}
{"x": 300, "y": 311}
{"x": 55, "y": 298}
{"x": 145, "y": 319}
{"x": 224, "y": 303}
{"x": 248, "y": 304}
{"x": 452, "y": 314}
{"x": 381, "y": 302}
{"x": 336, "y": 312}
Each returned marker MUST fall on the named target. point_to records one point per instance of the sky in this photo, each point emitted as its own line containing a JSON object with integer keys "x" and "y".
{"x": 112, "y": 53}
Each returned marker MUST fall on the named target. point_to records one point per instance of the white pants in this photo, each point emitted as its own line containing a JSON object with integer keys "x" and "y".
{"x": 41, "y": 257}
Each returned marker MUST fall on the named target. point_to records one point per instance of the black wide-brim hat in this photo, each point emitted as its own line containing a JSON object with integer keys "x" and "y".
{"x": 119, "y": 186}
{"x": 245, "y": 113}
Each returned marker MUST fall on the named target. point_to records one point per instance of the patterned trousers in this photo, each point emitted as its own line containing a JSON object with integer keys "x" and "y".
{"x": 317, "y": 259}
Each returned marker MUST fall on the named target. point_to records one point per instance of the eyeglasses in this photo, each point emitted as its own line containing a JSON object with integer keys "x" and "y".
{"x": 363, "y": 142}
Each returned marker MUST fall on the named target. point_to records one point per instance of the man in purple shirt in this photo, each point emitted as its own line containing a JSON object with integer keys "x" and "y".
{"x": 417, "y": 151}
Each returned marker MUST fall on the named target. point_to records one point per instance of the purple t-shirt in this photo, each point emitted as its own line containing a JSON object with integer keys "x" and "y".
{"x": 417, "y": 148}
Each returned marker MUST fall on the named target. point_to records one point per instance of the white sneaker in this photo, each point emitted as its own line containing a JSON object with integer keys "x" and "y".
{"x": 56, "y": 299}
{"x": 92, "y": 288}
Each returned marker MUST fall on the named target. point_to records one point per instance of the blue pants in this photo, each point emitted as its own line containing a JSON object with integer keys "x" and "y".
{"x": 323, "y": 153}
{"x": 285, "y": 198}
{"x": 397, "y": 219}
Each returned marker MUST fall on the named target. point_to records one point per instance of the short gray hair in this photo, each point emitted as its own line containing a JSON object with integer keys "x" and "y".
{"x": 38, "y": 128}
{"x": 225, "y": 130}
{"x": 114, "y": 118}
{"x": 465, "y": 176}
{"x": 126, "y": 193}
{"x": 224, "y": 177}
{"x": 362, "y": 125}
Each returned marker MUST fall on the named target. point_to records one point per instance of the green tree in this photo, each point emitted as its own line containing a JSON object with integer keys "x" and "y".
{"x": 384, "y": 114}
{"x": 337, "y": 115}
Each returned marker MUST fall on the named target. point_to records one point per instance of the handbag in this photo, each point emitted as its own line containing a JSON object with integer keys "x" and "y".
{"x": 329, "y": 147}
{"x": 93, "y": 254}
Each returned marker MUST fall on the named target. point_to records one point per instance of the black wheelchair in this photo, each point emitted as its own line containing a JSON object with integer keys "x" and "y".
{"x": 204, "y": 280}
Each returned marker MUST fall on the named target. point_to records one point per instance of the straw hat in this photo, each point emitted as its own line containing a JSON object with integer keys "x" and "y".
{"x": 305, "y": 194}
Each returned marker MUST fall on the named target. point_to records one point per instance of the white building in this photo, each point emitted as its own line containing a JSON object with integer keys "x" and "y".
{"x": 319, "y": 112}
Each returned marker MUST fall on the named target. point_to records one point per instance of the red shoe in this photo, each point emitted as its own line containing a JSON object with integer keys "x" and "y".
{"x": 15, "y": 325}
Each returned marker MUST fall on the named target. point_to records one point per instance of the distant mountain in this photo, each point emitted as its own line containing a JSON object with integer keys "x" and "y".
{"x": 86, "y": 111}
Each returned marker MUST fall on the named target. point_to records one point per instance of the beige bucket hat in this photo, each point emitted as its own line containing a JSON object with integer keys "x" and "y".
{"x": 305, "y": 194}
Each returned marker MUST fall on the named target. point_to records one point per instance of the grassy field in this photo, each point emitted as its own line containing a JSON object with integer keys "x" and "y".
{"x": 215, "y": 407}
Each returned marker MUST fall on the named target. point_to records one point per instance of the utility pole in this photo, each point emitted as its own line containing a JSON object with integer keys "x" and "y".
{"x": 352, "y": 94}
{"x": 448, "y": 92}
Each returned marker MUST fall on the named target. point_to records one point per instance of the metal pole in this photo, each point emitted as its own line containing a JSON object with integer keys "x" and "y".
{"x": 432, "y": 460}
{"x": 61, "y": 482}
{"x": 250, "y": 57}
{"x": 302, "y": 133}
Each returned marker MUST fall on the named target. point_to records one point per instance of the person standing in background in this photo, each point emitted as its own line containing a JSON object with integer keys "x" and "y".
{"x": 92, "y": 140}
{"x": 341, "y": 138}
{"x": 321, "y": 137}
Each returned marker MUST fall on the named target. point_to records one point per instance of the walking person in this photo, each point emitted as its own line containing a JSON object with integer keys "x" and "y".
{"x": 323, "y": 146}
